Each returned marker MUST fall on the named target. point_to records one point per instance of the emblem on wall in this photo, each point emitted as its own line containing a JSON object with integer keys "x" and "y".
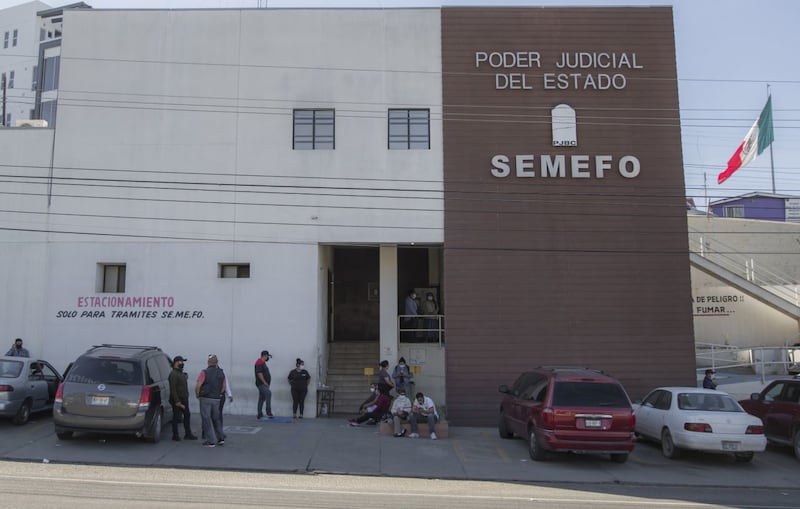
{"x": 565, "y": 132}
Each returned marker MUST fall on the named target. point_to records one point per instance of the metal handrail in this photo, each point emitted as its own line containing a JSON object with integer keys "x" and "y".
{"x": 419, "y": 333}
{"x": 743, "y": 265}
{"x": 718, "y": 354}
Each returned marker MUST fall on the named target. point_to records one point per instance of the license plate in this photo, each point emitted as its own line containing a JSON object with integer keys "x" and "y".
{"x": 100, "y": 400}
{"x": 730, "y": 446}
{"x": 593, "y": 423}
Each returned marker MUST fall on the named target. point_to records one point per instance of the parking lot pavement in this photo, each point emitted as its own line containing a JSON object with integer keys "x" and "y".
{"x": 331, "y": 446}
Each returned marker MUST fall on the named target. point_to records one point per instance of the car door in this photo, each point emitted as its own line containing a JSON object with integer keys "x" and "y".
{"x": 530, "y": 402}
{"x": 514, "y": 408}
{"x": 780, "y": 417}
{"x": 644, "y": 414}
{"x": 762, "y": 407}
{"x": 52, "y": 378}
{"x": 37, "y": 386}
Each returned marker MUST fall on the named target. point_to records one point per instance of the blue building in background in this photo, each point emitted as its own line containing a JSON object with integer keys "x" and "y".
{"x": 764, "y": 206}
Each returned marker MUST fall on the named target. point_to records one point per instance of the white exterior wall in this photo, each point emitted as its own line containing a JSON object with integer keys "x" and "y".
{"x": 733, "y": 318}
{"x": 174, "y": 150}
{"x": 21, "y": 58}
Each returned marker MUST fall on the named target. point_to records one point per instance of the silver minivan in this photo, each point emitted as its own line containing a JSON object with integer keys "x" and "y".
{"x": 115, "y": 389}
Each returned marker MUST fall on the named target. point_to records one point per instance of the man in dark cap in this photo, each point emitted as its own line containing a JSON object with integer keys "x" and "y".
{"x": 179, "y": 398}
{"x": 708, "y": 381}
{"x": 263, "y": 381}
{"x": 17, "y": 350}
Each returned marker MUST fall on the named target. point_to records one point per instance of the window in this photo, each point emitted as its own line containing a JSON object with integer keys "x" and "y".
{"x": 409, "y": 129}
{"x": 10, "y": 79}
{"x": 314, "y": 130}
{"x": 51, "y": 68}
{"x": 735, "y": 211}
{"x": 49, "y": 110}
{"x": 234, "y": 270}
{"x": 111, "y": 278}
{"x": 35, "y": 78}
{"x": 14, "y": 39}
{"x": 5, "y": 40}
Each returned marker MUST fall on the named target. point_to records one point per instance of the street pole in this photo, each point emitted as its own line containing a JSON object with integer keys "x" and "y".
{"x": 771, "y": 162}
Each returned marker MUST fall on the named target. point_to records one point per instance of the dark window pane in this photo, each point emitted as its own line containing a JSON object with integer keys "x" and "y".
{"x": 589, "y": 394}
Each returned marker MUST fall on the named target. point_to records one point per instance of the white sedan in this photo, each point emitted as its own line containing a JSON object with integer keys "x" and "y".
{"x": 698, "y": 419}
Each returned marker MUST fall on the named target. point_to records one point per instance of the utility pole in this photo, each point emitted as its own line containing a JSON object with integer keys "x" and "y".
{"x": 3, "y": 86}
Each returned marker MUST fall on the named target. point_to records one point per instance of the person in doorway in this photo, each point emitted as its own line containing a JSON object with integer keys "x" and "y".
{"x": 263, "y": 381}
{"x": 385, "y": 383}
{"x": 402, "y": 376}
{"x": 17, "y": 350}
{"x": 374, "y": 412}
{"x": 423, "y": 408}
{"x": 179, "y": 399}
{"x": 708, "y": 380}
{"x": 410, "y": 320}
{"x": 209, "y": 389}
{"x": 298, "y": 382}
{"x": 401, "y": 409}
{"x": 429, "y": 310}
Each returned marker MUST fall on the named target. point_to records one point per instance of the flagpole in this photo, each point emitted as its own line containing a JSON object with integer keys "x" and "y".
{"x": 771, "y": 162}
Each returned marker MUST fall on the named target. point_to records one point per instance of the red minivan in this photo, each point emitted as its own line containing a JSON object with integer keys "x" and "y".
{"x": 566, "y": 409}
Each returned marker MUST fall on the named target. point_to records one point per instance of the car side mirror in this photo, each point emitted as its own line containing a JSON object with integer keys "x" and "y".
{"x": 503, "y": 389}
{"x": 755, "y": 396}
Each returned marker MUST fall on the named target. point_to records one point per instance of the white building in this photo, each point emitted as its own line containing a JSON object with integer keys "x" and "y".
{"x": 212, "y": 178}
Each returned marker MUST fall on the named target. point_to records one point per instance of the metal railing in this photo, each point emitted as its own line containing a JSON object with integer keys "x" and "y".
{"x": 744, "y": 265}
{"x": 421, "y": 328}
{"x": 760, "y": 359}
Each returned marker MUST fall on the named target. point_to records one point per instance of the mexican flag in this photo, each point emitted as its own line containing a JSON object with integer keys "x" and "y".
{"x": 757, "y": 140}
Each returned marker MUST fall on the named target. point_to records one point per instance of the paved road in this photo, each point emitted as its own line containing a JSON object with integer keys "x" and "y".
{"x": 329, "y": 446}
{"x": 57, "y": 486}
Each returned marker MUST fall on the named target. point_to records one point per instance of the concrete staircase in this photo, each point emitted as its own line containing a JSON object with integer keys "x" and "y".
{"x": 346, "y": 363}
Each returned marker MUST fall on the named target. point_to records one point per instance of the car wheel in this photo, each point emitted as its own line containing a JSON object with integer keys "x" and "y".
{"x": 668, "y": 447}
{"x": 796, "y": 444}
{"x": 619, "y": 457}
{"x": 744, "y": 457}
{"x": 155, "y": 430}
{"x": 23, "y": 414}
{"x": 64, "y": 435}
{"x": 502, "y": 427}
{"x": 534, "y": 448}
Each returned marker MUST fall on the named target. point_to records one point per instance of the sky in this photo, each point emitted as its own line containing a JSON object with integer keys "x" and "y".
{"x": 727, "y": 51}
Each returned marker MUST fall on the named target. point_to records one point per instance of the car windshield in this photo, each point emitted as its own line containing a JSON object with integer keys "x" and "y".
{"x": 10, "y": 369}
{"x": 90, "y": 370}
{"x": 707, "y": 402}
{"x": 596, "y": 394}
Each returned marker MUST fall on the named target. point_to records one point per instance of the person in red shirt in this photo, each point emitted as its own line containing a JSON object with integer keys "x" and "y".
{"x": 375, "y": 412}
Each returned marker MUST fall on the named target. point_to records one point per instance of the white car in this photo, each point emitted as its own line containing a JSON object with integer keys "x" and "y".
{"x": 698, "y": 419}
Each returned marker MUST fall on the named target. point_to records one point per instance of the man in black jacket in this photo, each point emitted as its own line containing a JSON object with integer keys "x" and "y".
{"x": 179, "y": 398}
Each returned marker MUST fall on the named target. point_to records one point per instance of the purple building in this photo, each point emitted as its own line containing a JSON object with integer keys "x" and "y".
{"x": 764, "y": 206}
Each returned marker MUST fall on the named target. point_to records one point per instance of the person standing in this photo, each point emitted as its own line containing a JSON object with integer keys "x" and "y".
{"x": 210, "y": 387}
{"x": 179, "y": 399}
{"x": 385, "y": 383}
{"x": 263, "y": 381}
{"x": 708, "y": 380}
{"x": 17, "y": 350}
{"x": 430, "y": 309}
{"x": 410, "y": 310}
{"x": 298, "y": 381}
{"x": 423, "y": 408}
{"x": 228, "y": 395}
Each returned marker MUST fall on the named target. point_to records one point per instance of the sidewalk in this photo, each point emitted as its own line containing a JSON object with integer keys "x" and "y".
{"x": 331, "y": 446}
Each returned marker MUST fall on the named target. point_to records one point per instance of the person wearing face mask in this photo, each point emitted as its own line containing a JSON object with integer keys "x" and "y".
{"x": 298, "y": 381}
{"x": 403, "y": 377}
{"x": 410, "y": 320}
{"x": 430, "y": 309}
{"x": 17, "y": 350}
{"x": 708, "y": 380}
{"x": 179, "y": 399}
{"x": 370, "y": 401}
